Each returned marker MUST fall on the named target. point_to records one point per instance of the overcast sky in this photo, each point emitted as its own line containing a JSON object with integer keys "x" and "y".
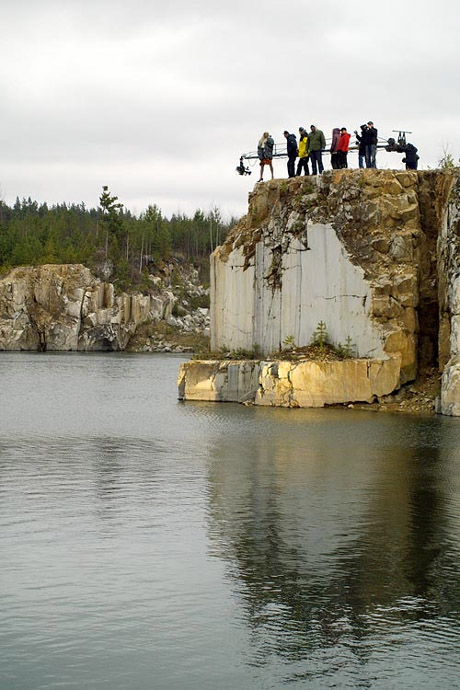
{"x": 159, "y": 99}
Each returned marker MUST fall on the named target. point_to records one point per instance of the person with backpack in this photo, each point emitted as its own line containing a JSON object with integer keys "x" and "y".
{"x": 333, "y": 150}
{"x": 303, "y": 152}
{"x": 291, "y": 152}
{"x": 265, "y": 153}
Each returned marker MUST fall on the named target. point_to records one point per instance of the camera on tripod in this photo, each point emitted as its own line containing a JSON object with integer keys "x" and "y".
{"x": 241, "y": 169}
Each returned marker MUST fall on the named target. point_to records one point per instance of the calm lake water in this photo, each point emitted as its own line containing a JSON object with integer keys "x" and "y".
{"x": 151, "y": 544}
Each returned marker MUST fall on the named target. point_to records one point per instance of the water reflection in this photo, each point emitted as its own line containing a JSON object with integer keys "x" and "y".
{"x": 331, "y": 550}
{"x": 211, "y": 546}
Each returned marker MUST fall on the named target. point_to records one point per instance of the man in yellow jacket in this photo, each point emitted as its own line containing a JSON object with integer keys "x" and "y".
{"x": 303, "y": 152}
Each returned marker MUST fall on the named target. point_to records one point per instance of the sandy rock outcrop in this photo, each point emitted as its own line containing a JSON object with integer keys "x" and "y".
{"x": 289, "y": 384}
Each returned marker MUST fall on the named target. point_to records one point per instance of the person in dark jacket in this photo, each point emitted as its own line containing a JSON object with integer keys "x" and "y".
{"x": 291, "y": 152}
{"x": 361, "y": 141}
{"x": 342, "y": 149}
{"x": 411, "y": 158}
{"x": 316, "y": 143}
{"x": 333, "y": 150}
{"x": 303, "y": 152}
{"x": 371, "y": 145}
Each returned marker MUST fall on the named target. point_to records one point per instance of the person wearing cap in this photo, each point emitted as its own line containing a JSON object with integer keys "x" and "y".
{"x": 291, "y": 152}
{"x": 303, "y": 152}
{"x": 342, "y": 148}
{"x": 370, "y": 137}
{"x": 316, "y": 143}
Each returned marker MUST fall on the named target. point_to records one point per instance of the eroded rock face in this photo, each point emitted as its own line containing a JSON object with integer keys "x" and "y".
{"x": 374, "y": 254}
{"x": 64, "y": 307}
{"x": 289, "y": 384}
{"x": 342, "y": 248}
{"x": 449, "y": 303}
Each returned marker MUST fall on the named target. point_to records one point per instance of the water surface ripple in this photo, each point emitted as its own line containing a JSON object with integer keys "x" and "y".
{"x": 147, "y": 543}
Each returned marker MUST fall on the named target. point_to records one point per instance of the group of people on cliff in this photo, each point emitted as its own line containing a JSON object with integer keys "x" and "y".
{"x": 311, "y": 146}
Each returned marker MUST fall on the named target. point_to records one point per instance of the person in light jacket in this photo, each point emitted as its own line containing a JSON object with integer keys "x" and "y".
{"x": 303, "y": 152}
{"x": 265, "y": 153}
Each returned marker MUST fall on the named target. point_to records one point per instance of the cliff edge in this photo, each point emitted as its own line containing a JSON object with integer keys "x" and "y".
{"x": 371, "y": 254}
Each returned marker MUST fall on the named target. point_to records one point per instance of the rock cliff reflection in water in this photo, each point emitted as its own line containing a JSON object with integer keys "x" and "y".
{"x": 147, "y": 543}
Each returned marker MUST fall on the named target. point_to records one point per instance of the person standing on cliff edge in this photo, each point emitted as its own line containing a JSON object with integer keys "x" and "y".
{"x": 291, "y": 152}
{"x": 265, "y": 153}
{"x": 342, "y": 149}
{"x": 316, "y": 143}
{"x": 335, "y": 158}
{"x": 303, "y": 152}
{"x": 370, "y": 138}
{"x": 361, "y": 141}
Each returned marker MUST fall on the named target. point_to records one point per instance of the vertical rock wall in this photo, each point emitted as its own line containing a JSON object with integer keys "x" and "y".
{"x": 449, "y": 300}
{"x": 342, "y": 248}
{"x": 64, "y": 307}
{"x": 374, "y": 254}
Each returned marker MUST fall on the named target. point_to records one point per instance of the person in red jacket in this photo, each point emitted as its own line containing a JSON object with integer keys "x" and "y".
{"x": 342, "y": 148}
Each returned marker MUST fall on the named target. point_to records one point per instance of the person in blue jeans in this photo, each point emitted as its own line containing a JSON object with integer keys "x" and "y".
{"x": 370, "y": 137}
{"x": 360, "y": 140}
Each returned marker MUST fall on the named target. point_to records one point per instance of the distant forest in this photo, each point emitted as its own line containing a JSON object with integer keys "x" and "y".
{"x": 34, "y": 234}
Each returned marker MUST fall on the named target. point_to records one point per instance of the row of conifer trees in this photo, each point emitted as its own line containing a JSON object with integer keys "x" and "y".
{"x": 33, "y": 234}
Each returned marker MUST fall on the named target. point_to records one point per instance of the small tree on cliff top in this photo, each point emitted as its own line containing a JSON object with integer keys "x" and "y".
{"x": 111, "y": 219}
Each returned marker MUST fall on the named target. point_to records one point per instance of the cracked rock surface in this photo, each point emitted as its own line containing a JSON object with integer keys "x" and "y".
{"x": 373, "y": 254}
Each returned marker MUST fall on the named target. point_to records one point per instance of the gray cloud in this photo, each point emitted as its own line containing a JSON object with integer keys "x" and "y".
{"x": 159, "y": 99}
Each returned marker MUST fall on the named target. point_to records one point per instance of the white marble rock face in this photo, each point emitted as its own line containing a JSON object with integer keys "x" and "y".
{"x": 351, "y": 249}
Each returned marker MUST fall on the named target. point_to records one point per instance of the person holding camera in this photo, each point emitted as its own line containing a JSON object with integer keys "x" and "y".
{"x": 370, "y": 137}
{"x": 361, "y": 141}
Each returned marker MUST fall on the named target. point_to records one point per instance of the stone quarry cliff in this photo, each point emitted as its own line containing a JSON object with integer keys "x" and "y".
{"x": 67, "y": 308}
{"x": 373, "y": 254}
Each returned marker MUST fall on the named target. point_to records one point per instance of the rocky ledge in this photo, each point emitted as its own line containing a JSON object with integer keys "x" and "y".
{"x": 289, "y": 384}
